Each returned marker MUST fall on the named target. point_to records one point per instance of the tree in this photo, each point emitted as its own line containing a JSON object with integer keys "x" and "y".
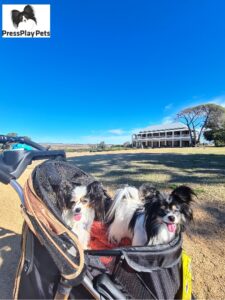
{"x": 127, "y": 145}
{"x": 102, "y": 146}
{"x": 215, "y": 129}
{"x": 216, "y": 135}
{"x": 13, "y": 134}
{"x": 200, "y": 117}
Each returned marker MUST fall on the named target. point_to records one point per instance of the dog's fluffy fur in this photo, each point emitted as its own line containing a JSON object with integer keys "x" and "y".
{"x": 87, "y": 203}
{"x": 147, "y": 216}
{"x": 125, "y": 203}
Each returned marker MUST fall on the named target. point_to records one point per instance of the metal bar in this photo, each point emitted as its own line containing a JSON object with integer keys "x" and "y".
{"x": 19, "y": 190}
{"x": 87, "y": 283}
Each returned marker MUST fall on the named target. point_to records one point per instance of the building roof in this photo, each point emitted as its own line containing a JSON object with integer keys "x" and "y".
{"x": 171, "y": 126}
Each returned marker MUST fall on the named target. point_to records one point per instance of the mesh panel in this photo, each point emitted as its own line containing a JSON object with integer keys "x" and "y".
{"x": 163, "y": 283}
{"x": 53, "y": 182}
{"x": 131, "y": 283}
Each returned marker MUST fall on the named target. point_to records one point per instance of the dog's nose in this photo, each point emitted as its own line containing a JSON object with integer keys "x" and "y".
{"x": 171, "y": 218}
{"x": 77, "y": 210}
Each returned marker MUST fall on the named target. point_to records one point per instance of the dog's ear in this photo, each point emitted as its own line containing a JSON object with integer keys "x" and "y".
{"x": 95, "y": 191}
{"x": 147, "y": 191}
{"x": 15, "y": 17}
{"x": 183, "y": 194}
{"x": 63, "y": 193}
{"x": 28, "y": 9}
{"x": 97, "y": 196}
{"x": 187, "y": 213}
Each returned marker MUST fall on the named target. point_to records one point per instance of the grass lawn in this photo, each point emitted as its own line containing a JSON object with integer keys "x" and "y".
{"x": 203, "y": 169}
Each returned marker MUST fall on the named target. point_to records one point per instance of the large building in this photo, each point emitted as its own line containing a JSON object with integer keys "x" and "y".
{"x": 166, "y": 135}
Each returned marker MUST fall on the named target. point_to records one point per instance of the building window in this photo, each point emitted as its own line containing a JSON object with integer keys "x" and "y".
{"x": 176, "y": 133}
{"x": 155, "y": 134}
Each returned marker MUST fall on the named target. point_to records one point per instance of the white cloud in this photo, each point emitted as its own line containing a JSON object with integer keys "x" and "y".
{"x": 116, "y": 131}
{"x": 135, "y": 130}
{"x": 168, "y": 120}
{"x": 168, "y": 106}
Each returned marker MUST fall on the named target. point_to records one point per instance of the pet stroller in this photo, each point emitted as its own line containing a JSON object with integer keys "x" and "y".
{"x": 48, "y": 269}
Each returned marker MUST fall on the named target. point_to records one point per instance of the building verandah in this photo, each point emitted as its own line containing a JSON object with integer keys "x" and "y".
{"x": 162, "y": 136}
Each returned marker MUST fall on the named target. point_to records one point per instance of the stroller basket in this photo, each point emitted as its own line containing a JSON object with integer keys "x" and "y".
{"x": 152, "y": 272}
{"x": 127, "y": 273}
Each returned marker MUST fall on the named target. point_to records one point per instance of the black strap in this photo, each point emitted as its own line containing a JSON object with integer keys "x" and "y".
{"x": 65, "y": 286}
{"x": 74, "y": 282}
{"x": 63, "y": 289}
{"x": 29, "y": 253}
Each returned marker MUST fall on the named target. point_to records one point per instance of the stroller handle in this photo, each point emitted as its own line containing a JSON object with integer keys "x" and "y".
{"x": 20, "y": 139}
{"x": 14, "y": 162}
{"x": 4, "y": 177}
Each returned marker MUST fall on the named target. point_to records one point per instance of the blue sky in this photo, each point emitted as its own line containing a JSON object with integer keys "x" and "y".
{"x": 112, "y": 67}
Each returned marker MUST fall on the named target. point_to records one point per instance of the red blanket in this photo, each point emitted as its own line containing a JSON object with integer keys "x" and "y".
{"x": 99, "y": 241}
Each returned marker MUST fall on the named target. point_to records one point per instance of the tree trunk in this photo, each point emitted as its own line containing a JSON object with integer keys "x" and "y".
{"x": 190, "y": 132}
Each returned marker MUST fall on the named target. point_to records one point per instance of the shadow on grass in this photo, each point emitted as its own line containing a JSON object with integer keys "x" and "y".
{"x": 135, "y": 169}
{"x": 213, "y": 226}
{"x": 9, "y": 258}
{"x": 165, "y": 171}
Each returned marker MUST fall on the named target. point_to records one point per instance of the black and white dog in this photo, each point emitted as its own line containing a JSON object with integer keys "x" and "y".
{"x": 87, "y": 203}
{"x": 25, "y": 18}
{"x": 125, "y": 204}
{"x": 149, "y": 217}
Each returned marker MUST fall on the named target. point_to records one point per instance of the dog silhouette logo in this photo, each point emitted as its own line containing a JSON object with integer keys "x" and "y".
{"x": 24, "y": 19}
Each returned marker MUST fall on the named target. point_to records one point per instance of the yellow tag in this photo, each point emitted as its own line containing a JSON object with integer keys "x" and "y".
{"x": 187, "y": 277}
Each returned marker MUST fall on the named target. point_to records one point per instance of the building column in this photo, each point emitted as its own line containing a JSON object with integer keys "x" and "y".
{"x": 180, "y": 143}
{"x": 172, "y": 138}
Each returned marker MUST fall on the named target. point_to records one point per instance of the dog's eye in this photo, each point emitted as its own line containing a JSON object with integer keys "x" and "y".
{"x": 84, "y": 201}
{"x": 71, "y": 204}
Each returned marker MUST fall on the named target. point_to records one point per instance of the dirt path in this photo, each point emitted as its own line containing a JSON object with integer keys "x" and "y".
{"x": 10, "y": 229}
{"x": 206, "y": 245}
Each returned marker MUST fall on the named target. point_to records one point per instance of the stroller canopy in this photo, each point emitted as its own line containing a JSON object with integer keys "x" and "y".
{"x": 47, "y": 193}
